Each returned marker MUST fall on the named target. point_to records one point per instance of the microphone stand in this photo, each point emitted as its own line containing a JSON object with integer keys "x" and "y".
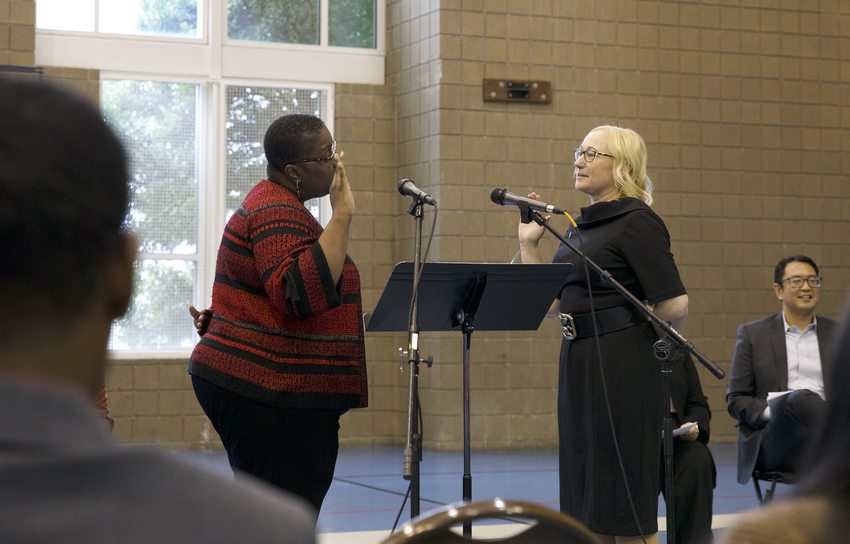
{"x": 659, "y": 348}
{"x": 413, "y": 446}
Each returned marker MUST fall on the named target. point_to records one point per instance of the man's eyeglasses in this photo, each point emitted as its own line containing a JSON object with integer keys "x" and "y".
{"x": 589, "y": 154}
{"x": 797, "y": 281}
{"x": 318, "y": 159}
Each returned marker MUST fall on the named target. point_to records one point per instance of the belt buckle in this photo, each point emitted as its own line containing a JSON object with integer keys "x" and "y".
{"x": 568, "y": 325}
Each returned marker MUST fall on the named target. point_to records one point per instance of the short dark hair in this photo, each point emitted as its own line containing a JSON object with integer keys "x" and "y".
{"x": 780, "y": 266}
{"x": 63, "y": 200}
{"x": 284, "y": 139}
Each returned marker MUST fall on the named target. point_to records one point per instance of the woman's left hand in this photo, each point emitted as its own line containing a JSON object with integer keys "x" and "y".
{"x": 201, "y": 319}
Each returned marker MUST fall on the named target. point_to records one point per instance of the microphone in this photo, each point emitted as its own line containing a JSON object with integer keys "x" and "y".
{"x": 503, "y": 197}
{"x": 407, "y": 188}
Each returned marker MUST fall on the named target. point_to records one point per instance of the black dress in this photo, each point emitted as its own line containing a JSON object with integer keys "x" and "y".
{"x": 626, "y": 238}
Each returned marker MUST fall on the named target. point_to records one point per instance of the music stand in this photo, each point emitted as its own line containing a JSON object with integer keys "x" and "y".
{"x": 468, "y": 296}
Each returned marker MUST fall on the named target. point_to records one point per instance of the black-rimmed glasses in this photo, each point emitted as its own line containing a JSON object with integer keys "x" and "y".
{"x": 589, "y": 154}
{"x": 797, "y": 281}
{"x": 317, "y": 159}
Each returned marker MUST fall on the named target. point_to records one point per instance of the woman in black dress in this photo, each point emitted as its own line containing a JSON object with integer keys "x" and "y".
{"x": 619, "y": 232}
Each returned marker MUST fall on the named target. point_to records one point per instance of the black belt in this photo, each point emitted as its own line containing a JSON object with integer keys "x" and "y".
{"x": 613, "y": 319}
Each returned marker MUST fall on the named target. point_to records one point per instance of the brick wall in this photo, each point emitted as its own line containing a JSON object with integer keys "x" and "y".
{"x": 744, "y": 108}
{"x": 17, "y": 32}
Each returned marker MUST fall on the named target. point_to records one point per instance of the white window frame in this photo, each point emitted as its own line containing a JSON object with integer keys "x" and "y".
{"x": 215, "y": 56}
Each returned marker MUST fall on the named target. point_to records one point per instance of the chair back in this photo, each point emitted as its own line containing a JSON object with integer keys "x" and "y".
{"x": 544, "y": 525}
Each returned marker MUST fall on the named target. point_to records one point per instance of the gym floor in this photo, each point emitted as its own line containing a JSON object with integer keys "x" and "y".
{"x": 368, "y": 489}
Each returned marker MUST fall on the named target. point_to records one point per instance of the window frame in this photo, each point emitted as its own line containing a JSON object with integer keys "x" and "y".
{"x": 215, "y": 55}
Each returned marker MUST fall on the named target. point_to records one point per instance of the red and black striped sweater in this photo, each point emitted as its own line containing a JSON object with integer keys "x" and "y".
{"x": 282, "y": 333}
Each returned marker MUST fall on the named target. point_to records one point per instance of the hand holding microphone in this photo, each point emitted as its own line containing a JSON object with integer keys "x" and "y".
{"x": 503, "y": 197}
{"x": 529, "y": 232}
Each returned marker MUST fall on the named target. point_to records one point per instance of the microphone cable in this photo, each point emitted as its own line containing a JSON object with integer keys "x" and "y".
{"x": 410, "y": 484}
{"x": 420, "y": 265}
{"x": 601, "y": 364}
{"x": 414, "y": 296}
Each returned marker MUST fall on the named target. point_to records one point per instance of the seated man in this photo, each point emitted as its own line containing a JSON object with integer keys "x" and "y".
{"x": 694, "y": 472}
{"x": 776, "y": 385}
{"x": 66, "y": 270}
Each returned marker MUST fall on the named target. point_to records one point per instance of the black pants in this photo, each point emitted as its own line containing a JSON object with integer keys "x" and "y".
{"x": 694, "y": 478}
{"x": 294, "y": 449}
{"x": 793, "y": 417}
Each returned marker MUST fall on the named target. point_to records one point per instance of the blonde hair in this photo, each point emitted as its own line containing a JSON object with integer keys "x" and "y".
{"x": 629, "y": 152}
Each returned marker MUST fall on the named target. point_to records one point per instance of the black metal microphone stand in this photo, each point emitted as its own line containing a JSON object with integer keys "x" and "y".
{"x": 661, "y": 350}
{"x": 465, "y": 318}
{"x": 413, "y": 446}
{"x": 528, "y": 215}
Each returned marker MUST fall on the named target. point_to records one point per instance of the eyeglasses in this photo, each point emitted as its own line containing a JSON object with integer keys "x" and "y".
{"x": 589, "y": 154}
{"x": 317, "y": 159}
{"x": 797, "y": 281}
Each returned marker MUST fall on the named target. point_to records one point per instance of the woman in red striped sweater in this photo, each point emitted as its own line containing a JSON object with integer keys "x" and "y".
{"x": 282, "y": 357}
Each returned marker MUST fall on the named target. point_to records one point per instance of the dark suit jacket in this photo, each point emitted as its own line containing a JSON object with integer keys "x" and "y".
{"x": 694, "y": 472}
{"x": 686, "y": 393}
{"x": 760, "y": 365}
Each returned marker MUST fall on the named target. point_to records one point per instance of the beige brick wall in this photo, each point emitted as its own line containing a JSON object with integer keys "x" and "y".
{"x": 152, "y": 402}
{"x": 744, "y": 108}
{"x": 86, "y": 82}
{"x": 365, "y": 130}
{"x": 17, "y": 32}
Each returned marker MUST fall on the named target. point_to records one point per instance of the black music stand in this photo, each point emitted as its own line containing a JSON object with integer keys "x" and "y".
{"x": 467, "y": 296}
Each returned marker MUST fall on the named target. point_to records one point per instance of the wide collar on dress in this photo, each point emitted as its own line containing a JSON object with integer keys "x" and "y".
{"x": 602, "y": 212}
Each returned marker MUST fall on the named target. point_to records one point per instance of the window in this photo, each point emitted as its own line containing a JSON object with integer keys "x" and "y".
{"x": 351, "y": 23}
{"x": 341, "y": 23}
{"x": 249, "y": 111}
{"x": 192, "y": 109}
{"x": 322, "y": 41}
{"x": 286, "y": 21}
{"x": 139, "y": 17}
{"x": 159, "y": 122}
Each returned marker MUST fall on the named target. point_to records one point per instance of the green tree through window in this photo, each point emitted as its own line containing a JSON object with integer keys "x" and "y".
{"x": 156, "y": 121}
{"x": 178, "y": 17}
{"x": 250, "y": 110}
{"x": 281, "y": 21}
{"x": 352, "y": 23}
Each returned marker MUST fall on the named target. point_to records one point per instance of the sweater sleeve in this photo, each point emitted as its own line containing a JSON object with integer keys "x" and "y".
{"x": 646, "y": 247}
{"x": 291, "y": 263}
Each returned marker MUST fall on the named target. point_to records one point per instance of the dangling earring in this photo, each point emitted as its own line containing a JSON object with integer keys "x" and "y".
{"x": 298, "y": 189}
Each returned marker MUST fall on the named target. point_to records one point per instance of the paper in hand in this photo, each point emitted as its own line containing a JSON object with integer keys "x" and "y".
{"x": 684, "y": 429}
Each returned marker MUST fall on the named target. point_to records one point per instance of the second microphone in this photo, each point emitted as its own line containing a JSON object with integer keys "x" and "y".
{"x": 407, "y": 188}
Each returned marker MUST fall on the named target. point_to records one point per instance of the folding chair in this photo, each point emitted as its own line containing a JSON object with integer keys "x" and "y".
{"x": 774, "y": 477}
{"x": 545, "y": 525}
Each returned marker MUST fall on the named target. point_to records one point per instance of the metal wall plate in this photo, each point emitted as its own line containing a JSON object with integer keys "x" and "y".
{"x": 511, "y": 90}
